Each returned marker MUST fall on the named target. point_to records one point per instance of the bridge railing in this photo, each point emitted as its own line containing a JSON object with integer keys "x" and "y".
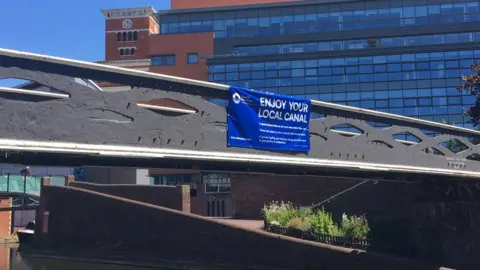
{"x": 27, "y": 184}
{"x": 345, "y": 140}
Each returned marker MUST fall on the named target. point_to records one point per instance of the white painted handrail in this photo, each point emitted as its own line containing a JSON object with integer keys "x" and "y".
{"x": 33, "y": 93}
{"x": 149, "y": 153}
{"x": 166, "y": 109}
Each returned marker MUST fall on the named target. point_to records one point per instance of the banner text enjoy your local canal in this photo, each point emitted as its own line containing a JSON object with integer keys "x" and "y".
{"x": 268, "y": 121}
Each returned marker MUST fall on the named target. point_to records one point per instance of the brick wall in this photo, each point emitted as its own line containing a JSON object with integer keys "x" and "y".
{"x": 5, "y": 218}
{"x": 141, "y": 25}
{"x": 5, "y": 257}
{"x": 251, "y": 192}
{"x": 387, "y": 205}
{"x": 180, "y": 46}
{"x": 94, "y": 223}
{"x": 174, "y": 197}
{"x": 431, "y": 221}
{"x": 446, "y": 224}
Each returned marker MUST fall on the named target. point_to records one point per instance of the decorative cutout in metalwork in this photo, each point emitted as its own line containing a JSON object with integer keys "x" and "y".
{"x": 454, "y": 145}
{"x": 140, "y": 118}
{"x": 407, "y": 138}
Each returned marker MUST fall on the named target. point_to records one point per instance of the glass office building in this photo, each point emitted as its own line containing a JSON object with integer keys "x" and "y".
{"x": 401, "y": 56}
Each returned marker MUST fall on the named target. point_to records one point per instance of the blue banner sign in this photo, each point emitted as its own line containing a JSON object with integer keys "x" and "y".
{"x": 268, "y": 121}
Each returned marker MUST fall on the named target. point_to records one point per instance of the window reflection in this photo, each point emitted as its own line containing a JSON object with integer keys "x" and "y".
{"x": 224, "y": 25}
{"x": 419, "y": 85}
{"x": 358, "y": 44}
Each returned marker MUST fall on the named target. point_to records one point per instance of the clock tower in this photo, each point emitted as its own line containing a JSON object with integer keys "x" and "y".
{"x": 127, "y": 35}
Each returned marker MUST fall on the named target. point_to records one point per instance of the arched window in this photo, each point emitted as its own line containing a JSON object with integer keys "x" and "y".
{"x": 124, "y": 36}
{"x": 121, "y": 52}
{"x": 130, "y": 37}
{"x": 127, "y": 51}
{"x": 132, "y": 51}
{"x": 119, "y": 36}
{"x": 135, "y": 35}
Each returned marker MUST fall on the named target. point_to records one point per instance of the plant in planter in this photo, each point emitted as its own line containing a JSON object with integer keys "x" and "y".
{"x": 322, "y": 222}
{"x": 279, "y": 213}
{"x": 302, "y": 222}
{"x": 355, "y": 227}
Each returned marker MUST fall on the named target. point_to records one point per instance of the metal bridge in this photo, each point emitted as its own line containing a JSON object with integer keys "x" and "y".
{"x": 168, "y": 122}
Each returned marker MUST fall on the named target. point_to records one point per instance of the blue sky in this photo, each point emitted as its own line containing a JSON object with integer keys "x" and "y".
{"x": 65, "y": 28}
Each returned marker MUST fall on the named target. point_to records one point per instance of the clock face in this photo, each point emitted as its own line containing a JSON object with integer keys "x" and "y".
{"x": 127, "y": 24}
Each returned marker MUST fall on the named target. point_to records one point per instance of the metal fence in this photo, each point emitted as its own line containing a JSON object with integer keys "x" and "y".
{"x": 342, "y": 241}
{"x": 27, "y": 184}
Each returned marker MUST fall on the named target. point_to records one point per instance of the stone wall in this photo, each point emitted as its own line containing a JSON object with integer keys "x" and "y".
{"x": 98, "y": 224}
{"x": 174, "y": 197}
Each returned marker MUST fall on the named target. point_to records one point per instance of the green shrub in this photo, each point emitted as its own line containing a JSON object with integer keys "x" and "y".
{"x": 355, "y": 227}
{"x": 305, "y": 212}
{"x": 279, "y": 213}
{"x": 322, "y": 222}
{"x": 319, "y": 222}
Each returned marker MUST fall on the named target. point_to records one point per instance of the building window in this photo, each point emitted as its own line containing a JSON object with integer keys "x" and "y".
{"x": 310, "y": 21}
{"x": 124, "y": 36}
{"x": 217, "y": 183}
{"x": 163, "y": 60}
{"x": 127, "y": 51}
{"x": 177, "y": 180}
{"x": 372, "y": 42}
{"x": 192, "y": 58}
{"x": 135, "y": 35}
{"x": 119, "y": 36}
{"x": 130, "y": 36}
{"x": 173, "y": 180}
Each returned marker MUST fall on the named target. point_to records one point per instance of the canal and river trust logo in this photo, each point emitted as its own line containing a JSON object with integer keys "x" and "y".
{"x": 236, "y": 98}
{"x": 127, "y": 24}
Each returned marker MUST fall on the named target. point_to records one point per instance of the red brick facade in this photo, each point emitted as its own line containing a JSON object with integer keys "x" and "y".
{"x": 149, "y": 44}
{"x": 181, "y": 46}
{"x": 144, "y": 27}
